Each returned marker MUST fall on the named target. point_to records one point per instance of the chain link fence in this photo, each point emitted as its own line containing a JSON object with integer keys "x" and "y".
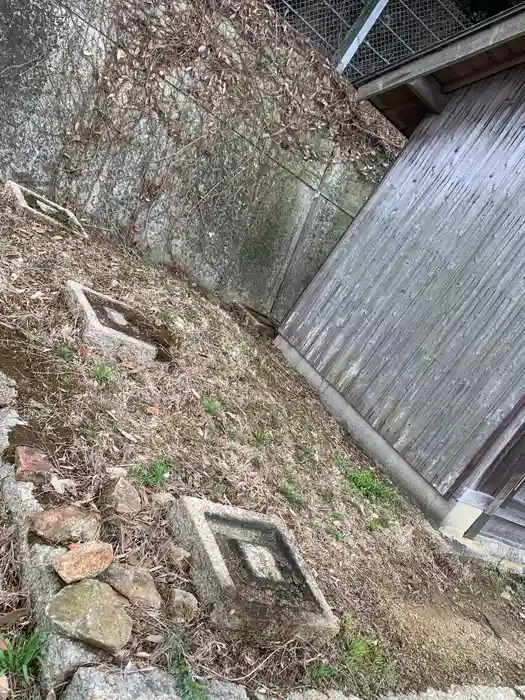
{"x": 404, "y": 28}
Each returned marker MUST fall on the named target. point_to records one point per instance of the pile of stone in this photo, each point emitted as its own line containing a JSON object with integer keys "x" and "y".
{"x": 91, "y": 607}
{"x": 79, "y": 592}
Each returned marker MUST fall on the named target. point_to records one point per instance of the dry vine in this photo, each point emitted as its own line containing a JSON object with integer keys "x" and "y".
{"x": 251, "y": 72}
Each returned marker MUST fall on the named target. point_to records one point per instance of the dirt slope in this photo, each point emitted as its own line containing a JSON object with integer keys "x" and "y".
{"x": 227, "y": 419}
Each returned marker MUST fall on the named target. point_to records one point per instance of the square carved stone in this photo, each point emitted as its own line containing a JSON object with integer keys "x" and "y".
{"x": 43, "y": 209}
{"x": 108, "y": 325}
{"x": 249, "y": 569}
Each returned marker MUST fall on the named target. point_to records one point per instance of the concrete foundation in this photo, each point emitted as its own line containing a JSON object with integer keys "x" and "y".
{"x": 110, "y": 341}
{"x": 402, "y": 474}
{"x": 43, "y": 209}
{"x": 249, "y": 568}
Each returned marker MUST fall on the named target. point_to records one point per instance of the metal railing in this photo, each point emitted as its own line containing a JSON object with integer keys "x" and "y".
{"x": 403, "y": 28}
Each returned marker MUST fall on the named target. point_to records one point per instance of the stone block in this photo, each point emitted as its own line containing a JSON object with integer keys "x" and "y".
{"x": 65, "y": 524}
{"x": 112, "y": 683}
{"x": 84, "y": 561}
{"x": 137, "y": 585}
{"x": 459, "y": 519}
{"x": 224, "y": 690}
{"x": 106, "y": 325}
{"x": 248, "y": 567}
{"x": 60, "y": 656}
{"x": 182, "y": 606}
{"x": 87, "y": 612}
{"x": 43, "y": 209}
{"x": 122, "y": 496}
{"x": 8, "y": 391}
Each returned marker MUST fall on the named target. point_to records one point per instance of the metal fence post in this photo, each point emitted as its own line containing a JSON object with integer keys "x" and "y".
{"x": 358, "y": 33}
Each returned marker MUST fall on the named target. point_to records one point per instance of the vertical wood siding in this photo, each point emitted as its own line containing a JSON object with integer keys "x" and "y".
{"x": 418, "y": 316}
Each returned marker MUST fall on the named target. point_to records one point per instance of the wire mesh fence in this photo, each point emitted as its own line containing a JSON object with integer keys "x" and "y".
{"x": 404, "y": 28}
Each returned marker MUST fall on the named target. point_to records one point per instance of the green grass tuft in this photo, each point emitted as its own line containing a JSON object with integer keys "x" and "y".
{"x": 322, "y": 672}
{"x": 66, "y": 352}
{"x": 103, "y": 372}
{"x": 167, "y": 316}
{"x": 369, "y": 486}
{"x": 262, "y": 437}
{"x": 290, "y": 490}
{"x": 212, "y": 406}
{"x": 21, "y": 655}
{"x": 155, "y": 474}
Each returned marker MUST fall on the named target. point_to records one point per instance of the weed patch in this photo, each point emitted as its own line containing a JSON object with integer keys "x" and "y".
{"x": 262, "y": 438}
{"x": 188, "y": 687}
{"x": 213, "y": 407}
{"x": 290, "y": 490}
{"x": 323, "y": 672}
{"x": 103, "y": 373}
{"x": 21, "y": 655}
{"x": 370, "y": 486}
{"x": 155, "y": 474}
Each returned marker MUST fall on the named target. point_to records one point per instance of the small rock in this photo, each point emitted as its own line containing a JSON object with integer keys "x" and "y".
{"x": 123, "y": 497}
{"x": 110, "y": 683}
{"x": 32, "y": 465}
{"x": 182, "y": 606}
{"x": 136, "y": 584}
{"x": 177, "y": 558}
{"x": 85, "y": 561}
{"x": 163, "y": 498}
{"x": 116, "y": 472}
{"x": 66, "y": 524}
{"x": 87, "y": 611}
{"x": 222, "y": 690}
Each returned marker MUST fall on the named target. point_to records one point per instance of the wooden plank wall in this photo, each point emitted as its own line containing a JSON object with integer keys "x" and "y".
{"x": 418, "y": 316}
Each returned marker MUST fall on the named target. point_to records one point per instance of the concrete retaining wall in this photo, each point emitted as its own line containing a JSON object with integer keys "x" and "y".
{"x": 124, "y": 142}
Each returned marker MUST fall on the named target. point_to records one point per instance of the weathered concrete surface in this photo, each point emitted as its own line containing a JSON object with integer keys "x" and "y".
{"x": 41, "y": 208}
{"x": 110, "y": 341}
{"x": 248, "y": 566}
{"x": 248, "y": 221}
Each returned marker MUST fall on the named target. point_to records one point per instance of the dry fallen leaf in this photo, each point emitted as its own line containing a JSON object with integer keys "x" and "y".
{"x": 3, "y": 645}
{"x": 153, "y": 410}
{"x": 155, "y": 638}
{"x": 51, "y": 695}
{"x": 127, "y": 435}
{"x": 13, "y": 616}
{"x": 116, "y": 472}
{"x": 74, "y": 545}
{"x": 61, "y": 485}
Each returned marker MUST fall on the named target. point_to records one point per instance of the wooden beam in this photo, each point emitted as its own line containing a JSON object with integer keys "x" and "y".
{"x": 429, "y": 92}
{"x": 485, "y": 73}
{"x": 506, "y": 30}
